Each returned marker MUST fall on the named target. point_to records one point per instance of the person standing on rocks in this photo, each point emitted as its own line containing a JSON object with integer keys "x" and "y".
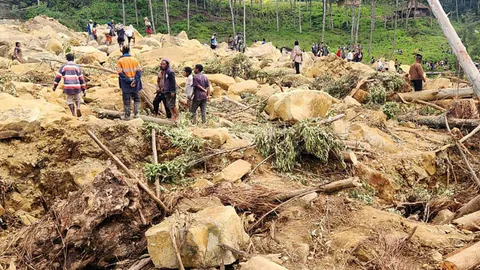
{"x": 416, "y": 74}
{"x": 201, "y": 94}
{"x": 297, "y": 57}
{"x": 130, "y": 35}
{"x": 121, "y": 35}
{"x": 148, "y": 27}
{"x": 167, "y": 75}
{"x": 160, "y": 96}
{"x": 17, "y": 52}
{"x": 187, "y": 72}
{"x": 74, "y": 84}
{"x": 130, "y": 80}
{"x": 90, "y": 30}
{"x": 213, "y": 41}
{"x": 109, "y": 32}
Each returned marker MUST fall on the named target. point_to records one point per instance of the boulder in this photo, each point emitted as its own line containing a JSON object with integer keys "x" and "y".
{"x": 182, "y": 35}
{"x": 374, "y": 136}
{"x": 92, "y": 57}
{"x": 350, "y": 101}
{"x": 218, "y": 136}
{"x": 5, "y": 63}
{"x": 384, "y": 186}
{"x": 203, "y": 232}
{"x": 444, "y": 216}
{"x": 265, "y": 90}
{"x": 178, "y": 55}
{"x": 55, "y": 46}
{"x": 152, "y": 42}
{"x": 202, "y": 183}
{"x": 25, "y": 115}
{"x": 295, "y": 80}
{"x": 261, "y": 263}
{"x": 25, "y": 218}
{"x": 265, "y": 51}
{"x": 439, "y": 83}
{"x": 234, "y": 171}
{"x": 240, "y": 88}
{"x": 298, "y": 105}
{"x": 221, "y": 80}
{"x": 2, "y": 211}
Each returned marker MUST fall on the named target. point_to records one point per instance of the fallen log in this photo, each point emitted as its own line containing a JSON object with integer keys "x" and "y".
{"x": 102, "y": 113}
{"x": 10, "y": 134}
{"x": 331, "y": 187}
{"x": 235, "y": 102}
{"x": 430, "y": 95}
{"x": 438, "y": 121}
{"x": 472, "y": 206}
{"x": 466, "y": 259}
{"x": 469, "y": 222}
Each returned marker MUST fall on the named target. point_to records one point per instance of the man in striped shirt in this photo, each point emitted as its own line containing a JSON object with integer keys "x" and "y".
{"x": 74, "y": 84}
{"x": 130, "y": 80}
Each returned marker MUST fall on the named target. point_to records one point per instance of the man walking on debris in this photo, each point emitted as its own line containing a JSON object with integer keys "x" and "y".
{"x": 201, "y": 94}
{"x": 130, "y": 80}
{"x": 297, "y": 57}
{"x": 416, "y": 74}
{"x": 89, "y": 29}
{"x": 17, "y": 52}
{"x": 169, "y": 88}
{"x": 121, "y": 35}
{"x": 160, "y": 96}
{"x": 74, "y": 84}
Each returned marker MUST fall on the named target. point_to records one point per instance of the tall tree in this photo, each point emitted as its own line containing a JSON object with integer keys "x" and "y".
{"x": 352, "y": 31}
{"x": 458, "y": 48}
{"x": 358, "y": 21}
{"x": 299, "y": 18}
{"x": 123, "y": 11}
{"x": 324, "y": 14}
{"x": 372, "y": 26}
{"x": 346, "y": 13}
{"x": 276, "y": 11}
{"x": 136, "y": 11}
{"x": 165, "y": 3}
{"x": 310, "y": 3}
{"x": 395, "y": 29}
{"x": 244, "y": 20}
{"x": 233, "y": 17}
{"x": 456, "y": 9}
{"x": 330, "y": 5}
{"x": 188, "y": 15}
{"x": 151, "y": 15}
{"x": 415, "y": 11}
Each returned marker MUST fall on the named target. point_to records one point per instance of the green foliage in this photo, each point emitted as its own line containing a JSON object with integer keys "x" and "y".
{"x": 179, "y": 137}
{"x": 365, "y": 194}
{"x": 392, "y": 82}
{"x": 288, "y": 144}
{"x": 169, "y": 171}
{"x": 322, "y": 82}
{"x": 390, "y": 109}
{"x": 427, "y": 110}
{"x": 339, "y": 88}
{"x": 377, "y": 95}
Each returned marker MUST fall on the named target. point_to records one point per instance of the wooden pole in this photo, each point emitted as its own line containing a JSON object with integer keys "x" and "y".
{"x": 466, "y": 259}
{"x": 151, "y": 15}
{"x": 123, "y": 11}
{"x": 128, "y": 172}
{"x": 155, "y": 160}
{"x": 457, "y": 46}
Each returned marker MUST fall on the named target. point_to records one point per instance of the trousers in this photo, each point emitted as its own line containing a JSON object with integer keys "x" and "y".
{"x": 203, "y": 110}
{"x": 161, "y": 98}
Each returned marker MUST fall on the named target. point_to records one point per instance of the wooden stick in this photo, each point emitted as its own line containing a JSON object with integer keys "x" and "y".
{"x": 439, "y": 122}
{"x": 235, "y": 102}
{"x": 128, "y": 172}
{"x": 472, "y": 206}
{"x": 435, "y": 106}
{"x": 332, "y": 119}
{"x": 175, "y": 246}
{"x": 140, "y": 264}
{"x": 116, "y": 114}
{"x": 253, "y": 105}
{"x": 155, "y": 160}
{"x": 142, "y": 217}
{"x": 259, "y": 164}
{"x": 233, "y": 250}
{"x": 466, "y": 137}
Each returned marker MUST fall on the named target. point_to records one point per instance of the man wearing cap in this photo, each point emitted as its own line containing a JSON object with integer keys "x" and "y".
{"x": 91, "y": 34}
{"x": 417, "y": 76}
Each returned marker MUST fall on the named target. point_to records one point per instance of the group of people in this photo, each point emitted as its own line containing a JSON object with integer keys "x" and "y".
{"x": 320, "y": 49}
{"x": 197, "y": 87}
{"x": 236, "y": 43}
{"x": 122, "y": 33}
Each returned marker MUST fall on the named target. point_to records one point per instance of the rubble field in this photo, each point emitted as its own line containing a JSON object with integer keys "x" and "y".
{"x": 340, "y": 167}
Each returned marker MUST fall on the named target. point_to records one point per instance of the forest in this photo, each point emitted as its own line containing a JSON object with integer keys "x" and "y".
{"x": 281, "y": 22}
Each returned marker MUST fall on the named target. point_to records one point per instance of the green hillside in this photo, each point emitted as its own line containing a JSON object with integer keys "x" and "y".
{"x": 420, "y": 33}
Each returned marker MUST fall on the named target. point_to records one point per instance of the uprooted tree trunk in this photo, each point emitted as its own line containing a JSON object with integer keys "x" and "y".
{"x": 457, "y": 46}
{"x": 465, "y": 259}
{"x": 116, "y": 114}
{"x": 437, "y": 94}
{"x": 95, "y": 226}
{"x": 439, "y": 121}
{"x": 469, "y": 222}
{"x": 472, "y": 206}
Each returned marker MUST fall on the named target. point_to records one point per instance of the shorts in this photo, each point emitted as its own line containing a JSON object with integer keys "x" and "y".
{"x": 74, "y": 99}
{"x": 170, "y": 101}
{"x": 149, "y": 31}
{"x": 417, "y": 85}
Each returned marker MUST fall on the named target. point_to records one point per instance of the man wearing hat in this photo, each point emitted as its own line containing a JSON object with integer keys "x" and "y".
{"x": 417, "y": 76}
{"x": 91, "y": 34}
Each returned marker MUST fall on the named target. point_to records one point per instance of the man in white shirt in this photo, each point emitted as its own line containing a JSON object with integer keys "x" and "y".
{"x": 350, "y": 56}
{"x": 297, "y": 57}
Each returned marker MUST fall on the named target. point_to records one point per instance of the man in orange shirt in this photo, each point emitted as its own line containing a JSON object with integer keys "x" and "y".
{"x": 417, "y": 76}
{"x": 130, "y": 80}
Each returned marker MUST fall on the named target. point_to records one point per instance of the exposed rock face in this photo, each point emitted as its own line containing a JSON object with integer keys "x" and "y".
{"x": 202, "y": 235}
{"x": 295, "y": 80}
{"x": 234, "y": 171}
{"x": 298, "y": 105}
